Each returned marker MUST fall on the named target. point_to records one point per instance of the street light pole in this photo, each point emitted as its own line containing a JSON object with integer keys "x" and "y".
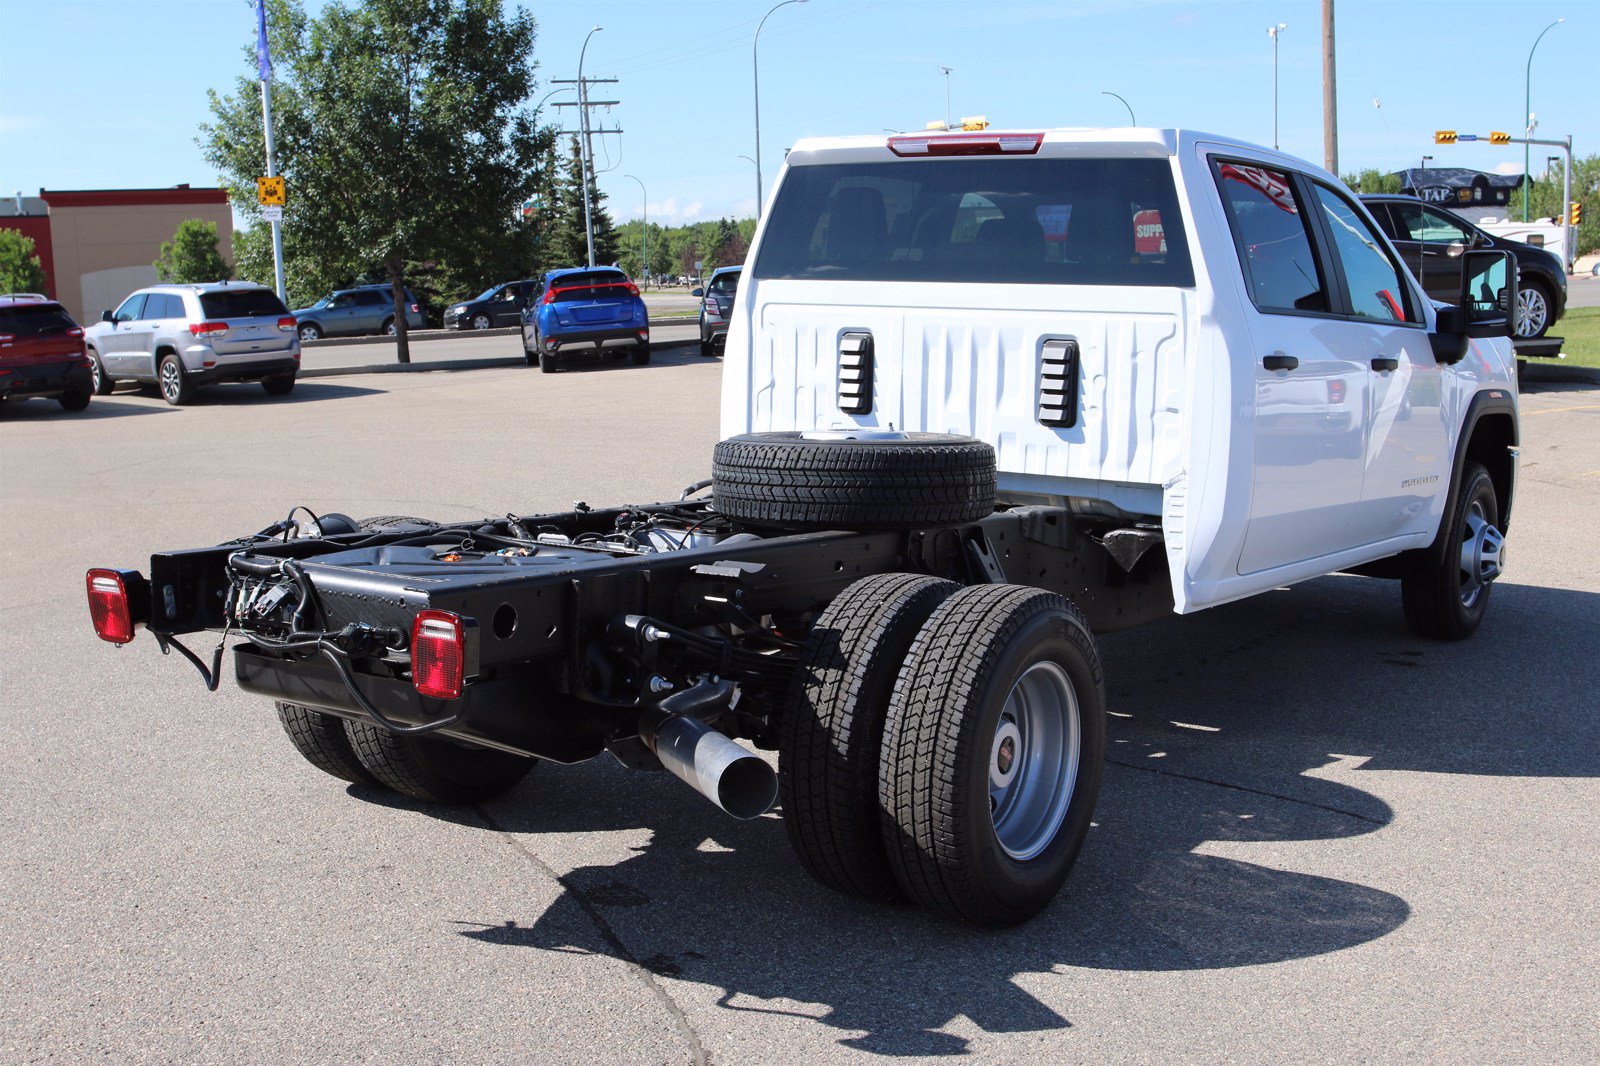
{"x": 1131, "y": 120}
{"x": 584, "y": 148}
{"x": 755, "y": 68}
{"x": 1527, "y": 111}
{"x": 644, "y": 230}
{"x": 1273, "y": 31}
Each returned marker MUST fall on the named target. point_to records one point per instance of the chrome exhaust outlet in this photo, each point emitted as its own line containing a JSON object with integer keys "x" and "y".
{"x": 736, "y": 780}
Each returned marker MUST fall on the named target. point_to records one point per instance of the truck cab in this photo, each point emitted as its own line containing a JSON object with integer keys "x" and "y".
{"x": 1166, "y": 328}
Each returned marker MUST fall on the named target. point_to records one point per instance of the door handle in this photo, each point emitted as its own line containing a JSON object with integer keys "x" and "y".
{"x": 1279, "y": 361}
{"x": 1384, "y": 363}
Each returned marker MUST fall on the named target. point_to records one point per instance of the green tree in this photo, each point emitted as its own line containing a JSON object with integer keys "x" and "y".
{"x": 1372, "y": 180}
{"x": 19, "y": 266}
{"x": 191, "y": 255}
{"x": 1544, "y": 200}
{"x": 402, "y": 130}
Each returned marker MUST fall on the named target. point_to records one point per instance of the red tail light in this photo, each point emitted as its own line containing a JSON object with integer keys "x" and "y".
{"x": 413, "y": 308}
{"x": 1335, "y": 391}
{"x": 7, "y": 338}
{"x": 549, "y": 297}
{"x": 967, "y": 144}
{"x": 75, "y": 331}
{"x": 288, "y": 324}
{"x": 438, "y": 654}
{"x": 109, "y": 608}
{"x": 633, "y": 290}
{"x": 208, "y": 329}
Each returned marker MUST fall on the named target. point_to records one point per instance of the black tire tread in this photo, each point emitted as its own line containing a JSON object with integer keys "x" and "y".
{"x": 433, "y": 769}
{"x": 927, "y": 748}
{"x": 853, "y": 484}
{"x": 321, "y": 738}
{"x": 1429, "y": 595}
{"x": 832, "y": 729}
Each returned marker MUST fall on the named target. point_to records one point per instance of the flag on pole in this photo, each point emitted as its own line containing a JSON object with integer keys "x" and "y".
{"x": 263, "y": 59}
{"x": 530, "y": 207}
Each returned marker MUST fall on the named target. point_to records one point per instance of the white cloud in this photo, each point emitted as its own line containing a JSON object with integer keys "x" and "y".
{"x": 669, "y": 213}
{"x": 1508, "y": 168}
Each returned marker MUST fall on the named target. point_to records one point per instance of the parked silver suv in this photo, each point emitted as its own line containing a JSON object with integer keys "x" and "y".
{"x": 179, "y": 337}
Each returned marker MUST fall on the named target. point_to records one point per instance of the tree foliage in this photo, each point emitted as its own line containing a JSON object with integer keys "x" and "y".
{"x": 1373, "y": 180}
{"x": 20, "y": 270}
{"x": 402, "y": 129}
{"x": 1544, "y": 199}
{"x": 191, "y": 255}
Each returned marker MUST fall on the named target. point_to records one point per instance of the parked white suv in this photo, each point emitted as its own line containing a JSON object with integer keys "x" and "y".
{"x": 179, "y": 337}
{"x": 1187, "y": 333}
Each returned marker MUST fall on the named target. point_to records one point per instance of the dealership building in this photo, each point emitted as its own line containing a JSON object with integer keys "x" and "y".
{"x": 98, "y": 245}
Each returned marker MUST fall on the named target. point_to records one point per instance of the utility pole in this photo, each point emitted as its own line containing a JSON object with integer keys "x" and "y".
{"x": 586, "y": 132}
{"x": 586, "y": 143}
{"x": 264, "y": 68}
{"x": 1330, "y": 101}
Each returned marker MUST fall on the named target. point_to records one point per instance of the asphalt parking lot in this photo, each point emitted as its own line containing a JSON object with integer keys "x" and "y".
{"x": 1320, "y": 838}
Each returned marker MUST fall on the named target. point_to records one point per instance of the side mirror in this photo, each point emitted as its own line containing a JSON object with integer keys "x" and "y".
{"x": 1456, "y": 248}
{"x": 697, "y": 292}
{"x": 1488, "y": 288}
{"x": 107, "y": 316}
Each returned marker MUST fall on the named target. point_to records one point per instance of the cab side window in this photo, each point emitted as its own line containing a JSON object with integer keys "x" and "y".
{"x": 369, "y": 298}
{"x": 131, "y": 308}
{"x": 162, "y": 305}
{"x": 1425, "y": 224}
{"x": 1271, "y": 235}
{"x": 1374, "y": 283}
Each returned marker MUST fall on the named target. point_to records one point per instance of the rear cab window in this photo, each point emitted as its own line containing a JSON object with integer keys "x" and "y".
{"x": 1036, "y": 221}
{"x": 725, "y": 284}
{"x": 34, "y": 320}
{"x": 242, "y": 303}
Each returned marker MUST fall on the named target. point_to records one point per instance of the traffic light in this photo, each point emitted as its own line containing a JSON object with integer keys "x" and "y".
{"x": 1575, "y": 214}
{"x": 1498, "y": 137}
{"x": 1444, "y": 136}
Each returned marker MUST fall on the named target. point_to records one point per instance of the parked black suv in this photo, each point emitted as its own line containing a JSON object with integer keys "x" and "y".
{"x": 1431, "y": 240}
{"x": 499, "y": 306}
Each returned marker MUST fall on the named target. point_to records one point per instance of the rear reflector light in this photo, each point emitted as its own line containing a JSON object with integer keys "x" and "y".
{"x": 208, "y": 329}
{"x": 438, "y": 654}
{"x": 7, "y": 338}
{"x": 413, "y": 308}
{"x": 108, "y": 606}
{"x": 967, "y": 144}
{"x": 288, "y": 324}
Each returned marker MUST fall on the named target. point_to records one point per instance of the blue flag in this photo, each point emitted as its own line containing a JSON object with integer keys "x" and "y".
{"x": 263, "y": 60}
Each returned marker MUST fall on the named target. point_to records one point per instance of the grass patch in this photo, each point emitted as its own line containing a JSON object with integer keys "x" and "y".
{"x": 1581, "y": 327}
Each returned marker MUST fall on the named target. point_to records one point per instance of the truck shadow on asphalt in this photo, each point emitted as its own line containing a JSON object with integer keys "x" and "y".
{"x": 1226, "y": 730}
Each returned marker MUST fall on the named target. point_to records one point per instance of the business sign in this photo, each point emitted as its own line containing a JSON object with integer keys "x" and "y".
{"x": 1436, "y": 194}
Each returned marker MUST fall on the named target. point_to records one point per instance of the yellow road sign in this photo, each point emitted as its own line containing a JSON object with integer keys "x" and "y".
{"x": 1444, "y": 136}
{"x": 1497, "y": 137}
{"x": 270, "y": 192}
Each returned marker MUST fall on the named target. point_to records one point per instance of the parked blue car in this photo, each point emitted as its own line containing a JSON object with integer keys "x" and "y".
{"x": 582, "y": 309}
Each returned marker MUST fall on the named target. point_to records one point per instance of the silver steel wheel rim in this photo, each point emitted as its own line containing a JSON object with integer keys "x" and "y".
{"x": 1483, "y": 549}
{"x": 169, "y": 380}
{"x": 854, "y": 433}
{"x": 391, "y": 329}
{"x": 1532, "y": 310}
{"x": 94, "y": 372}
{"x": 309, "y": 334}
{"x": 480, "y": 322}
{"x": 1033, "y": 761}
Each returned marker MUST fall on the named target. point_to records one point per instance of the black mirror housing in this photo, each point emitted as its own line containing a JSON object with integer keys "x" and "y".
{"x": 1488, "y": 292}
{"x": 107, "y": 316}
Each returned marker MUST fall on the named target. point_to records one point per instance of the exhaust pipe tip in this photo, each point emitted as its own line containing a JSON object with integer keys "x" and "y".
{"x": 747, "y": 788}
{"x": 736, "y": 780}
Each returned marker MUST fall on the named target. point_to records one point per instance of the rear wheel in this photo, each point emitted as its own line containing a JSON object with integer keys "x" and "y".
{"x": 832, "y": 729}
{"x": 434, "y": 769}
{"x": 281, "y": 385}
{"x": 75, "y": 399}
{"x": 547, "y": 358}
{"x": 322, "y": 740}
{"x": 992, "y": 754}
{"x": 1447, "y": 598}
{"x": 640, "y": 355}
{"x": 706, "y": 350}
{"x": 102, "y": 383}
{"x": 176, "y": 388}
{"x": 388, "y": 329}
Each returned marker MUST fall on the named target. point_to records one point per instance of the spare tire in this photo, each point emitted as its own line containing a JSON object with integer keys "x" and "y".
{"x": 853, "y": 479}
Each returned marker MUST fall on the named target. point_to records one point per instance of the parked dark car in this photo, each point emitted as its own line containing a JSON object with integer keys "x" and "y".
{"x": 499, "y": 306}
{"x": 42, "y": 353}
{"x": 585, "y": 307}
{"x": 1431, "y": 239}
{"x": 716, "y": 308}
{"x": 354, "y": 311}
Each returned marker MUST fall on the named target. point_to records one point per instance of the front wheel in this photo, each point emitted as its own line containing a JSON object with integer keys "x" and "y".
{"x": 176, "y": 387}
{"x": 1446, "y": 598}
{"x": 992, "y": 754}
{"x": 310, "y": 331}
{"x": 480, "y": 322}
{"x": 1535, "y": 310}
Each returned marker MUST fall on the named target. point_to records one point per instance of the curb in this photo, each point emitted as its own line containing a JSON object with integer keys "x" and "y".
{"x": 423, "y": 336}
{"x": 1555, "y": 373}
{"x": 487, "y": 363}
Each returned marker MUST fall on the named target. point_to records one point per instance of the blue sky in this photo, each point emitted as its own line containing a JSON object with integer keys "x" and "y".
{"x": 108, "y": 93}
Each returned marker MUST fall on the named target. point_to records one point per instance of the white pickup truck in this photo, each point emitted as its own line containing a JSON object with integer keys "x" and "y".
{"x": 986, "y": 393}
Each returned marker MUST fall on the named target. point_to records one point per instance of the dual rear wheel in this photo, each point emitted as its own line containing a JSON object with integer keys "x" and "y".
{"x": 944, "y": 744}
